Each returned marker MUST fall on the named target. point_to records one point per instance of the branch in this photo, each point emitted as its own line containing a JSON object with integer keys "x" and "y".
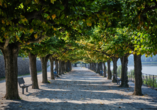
{"x": 35, "y": 40}
{"x": 32, "y": 15}
{"x": 145, "y": 10}
{"x": 148, "y": 9}
{"x": 6, "y": 43}
{"x": 1, "y": 45}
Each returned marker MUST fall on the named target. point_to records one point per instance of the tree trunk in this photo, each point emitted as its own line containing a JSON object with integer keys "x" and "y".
{"x": 92, "y": 66}
{"x": 51, "y": 61}
{"x": 33, "y": 70}
{"x": 104, "y": 70}
{"x": 100, "y": 67}
{"x": 138, "y": 75}
{"x": 109, "y": 70}
{"x": 95, "y": 67}
{"x": 56, "y": 68}
{"x": 60, "y": 66}
{"x": 114, "y": 70}
{"x": 64, "y": 67}
{"x": 68, "y": 66}
{"x": 44, "y": 69}
{"x": 11, "y": 71}
{"x": 124, "y": 69}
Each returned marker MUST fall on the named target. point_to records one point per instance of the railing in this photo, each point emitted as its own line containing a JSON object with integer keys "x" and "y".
{"x": 150, "y": 80}
{"x": 147, "y": 79}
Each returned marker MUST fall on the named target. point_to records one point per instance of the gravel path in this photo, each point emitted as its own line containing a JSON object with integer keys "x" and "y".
{"x": 80, "y": 89}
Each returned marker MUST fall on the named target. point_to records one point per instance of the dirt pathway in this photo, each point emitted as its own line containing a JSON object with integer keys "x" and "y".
{"x": 80, "y": 89}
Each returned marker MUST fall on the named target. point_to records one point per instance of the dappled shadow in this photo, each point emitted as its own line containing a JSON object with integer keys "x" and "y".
{"x": 55, "y": 103}
{"x": 78, "y": 95}
{"x": 84, "y": 91}
{"x": 20, "y": 105}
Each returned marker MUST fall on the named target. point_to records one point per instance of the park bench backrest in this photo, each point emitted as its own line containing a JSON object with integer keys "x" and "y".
{"x": 21, "y": 81}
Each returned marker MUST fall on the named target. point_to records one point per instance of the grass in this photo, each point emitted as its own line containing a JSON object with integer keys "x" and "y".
{"x": 149, "y": 82}
{"x": 2, "y": 78}
{"x": 49, "y": 82}
{"x": 24, "y": 74}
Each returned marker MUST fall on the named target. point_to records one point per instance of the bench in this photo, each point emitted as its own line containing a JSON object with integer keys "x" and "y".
{"x": 55, "y": 74}
{"x": 23, "y": 85}
{"x": 101, "y": 72}
{"x": 118, "y": 79}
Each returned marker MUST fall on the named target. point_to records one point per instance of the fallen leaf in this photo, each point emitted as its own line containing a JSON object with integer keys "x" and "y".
{"x": 101, "y": 103}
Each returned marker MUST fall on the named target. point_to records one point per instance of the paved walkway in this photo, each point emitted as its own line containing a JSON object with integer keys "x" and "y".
{"x": 80, "y": 89}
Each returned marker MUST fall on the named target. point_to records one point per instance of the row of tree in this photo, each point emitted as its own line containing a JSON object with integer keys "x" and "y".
{"x": 90, "y": 30}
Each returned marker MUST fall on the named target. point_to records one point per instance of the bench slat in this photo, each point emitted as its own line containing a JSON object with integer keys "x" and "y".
{"x": 23, "y": 85}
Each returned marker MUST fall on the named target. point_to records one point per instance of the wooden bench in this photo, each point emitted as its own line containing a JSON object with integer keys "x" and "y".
{"x": 101, "y": 72}
{"x": 118, "y": 79}
{"x": 23, "y": 85}
{"x": 55, "y": 74}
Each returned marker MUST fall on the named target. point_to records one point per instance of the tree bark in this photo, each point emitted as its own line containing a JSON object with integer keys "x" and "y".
{"x": 138, "y": 75}
{"x": 33, "y": 70}
{"x": 44, "y": 69}
{"x": 109, "y": 70}
{"x": 56, "y": 68}
{"x": 114, "y": 80}
{"x": 64, "y": 67}
{"x": 11, "y": 71}
{"x": 68, "y": 66}
{"x": 51, "y": 61}
{"x": 60, "y": 67}
{"x": 95, "y": 65}
{"x": 104, "y": 70}
{"x": 124, "y": 69}
{"x": 99, "y": 67}
{"x": 92, "y": 66}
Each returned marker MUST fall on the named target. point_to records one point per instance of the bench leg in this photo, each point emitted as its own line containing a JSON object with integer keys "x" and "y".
{"x": 26, "y": 89}
{"x": 22, "y": 90}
